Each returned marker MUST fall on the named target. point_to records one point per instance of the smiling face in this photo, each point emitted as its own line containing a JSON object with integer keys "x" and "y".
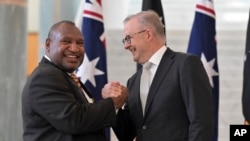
{"x": 137, "y": 44}
{"x": 143, "y": 35}
{"x": 65, "y": 47}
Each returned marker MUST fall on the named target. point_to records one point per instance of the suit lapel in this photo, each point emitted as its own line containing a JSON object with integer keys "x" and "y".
{"x": 134, "y": 101}
{"x": 86, "y": 90}
{"x": 77, "y": 92}
{"x": 161, "y": 72}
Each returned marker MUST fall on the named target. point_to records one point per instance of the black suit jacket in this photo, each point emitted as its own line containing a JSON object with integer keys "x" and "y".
{"x": 55, "y": 109}
{"x": 178, "y": 107}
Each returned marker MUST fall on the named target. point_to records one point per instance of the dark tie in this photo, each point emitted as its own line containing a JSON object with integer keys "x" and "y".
{"x": 75, "y": 78}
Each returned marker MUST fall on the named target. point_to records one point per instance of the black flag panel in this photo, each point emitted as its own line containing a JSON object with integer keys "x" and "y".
{"x": 246, "y": 77}
{"x": 154, "y": 5}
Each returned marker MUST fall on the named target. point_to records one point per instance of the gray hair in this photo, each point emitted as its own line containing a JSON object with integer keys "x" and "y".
{"x": 149, "y": 19}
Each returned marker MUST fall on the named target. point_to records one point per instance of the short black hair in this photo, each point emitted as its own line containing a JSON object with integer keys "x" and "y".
{"x": 56, "y": 25}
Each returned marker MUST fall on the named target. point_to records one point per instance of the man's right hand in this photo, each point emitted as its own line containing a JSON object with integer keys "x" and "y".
{"x": 117, "y": 92}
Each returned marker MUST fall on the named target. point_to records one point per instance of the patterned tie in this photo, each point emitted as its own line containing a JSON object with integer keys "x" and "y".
{"x": 74, "y": 77}
{"x": 145, "y": 84}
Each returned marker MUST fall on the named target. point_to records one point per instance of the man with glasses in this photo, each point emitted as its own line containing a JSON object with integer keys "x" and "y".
{"x": 128, "y": 37}
{"x": 177, "y": 104}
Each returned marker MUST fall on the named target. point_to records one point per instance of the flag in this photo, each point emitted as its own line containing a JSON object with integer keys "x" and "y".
{"x": 93, "y": 71}
{"x": 246, "y": 78}
{"x": 202, "y": 43}
{"x": 156, "y": 6}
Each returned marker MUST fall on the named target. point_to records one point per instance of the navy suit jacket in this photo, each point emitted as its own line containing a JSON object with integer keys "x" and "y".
{"x": 55, "y": 109}
{"x": 178, "y": 107}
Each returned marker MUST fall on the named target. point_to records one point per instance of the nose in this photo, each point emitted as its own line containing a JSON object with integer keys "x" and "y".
{"x": 126, "y": 45}
{"x": 74, "y": 47}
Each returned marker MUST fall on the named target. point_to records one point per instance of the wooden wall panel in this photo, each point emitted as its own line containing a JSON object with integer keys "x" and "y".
{"x": 32, "y": 52}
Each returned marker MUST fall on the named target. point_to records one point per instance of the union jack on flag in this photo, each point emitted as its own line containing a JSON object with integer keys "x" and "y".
{"x": 202, "y": 43}
{"x": 93, "y": 71}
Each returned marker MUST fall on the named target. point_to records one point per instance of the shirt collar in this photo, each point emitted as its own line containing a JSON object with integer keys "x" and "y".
{"x": 156, "y": 57}
{"x": 50, "y": 61}
{"x": 47, "y": 57}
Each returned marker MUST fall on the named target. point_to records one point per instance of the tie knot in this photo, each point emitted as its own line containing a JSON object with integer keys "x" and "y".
{"x": 147, "y": 65}
{"x": 75, "y": 78}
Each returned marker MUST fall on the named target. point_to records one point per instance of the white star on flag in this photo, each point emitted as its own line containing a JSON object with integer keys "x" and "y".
{"x": 209, "y": 68}
{"x": 89, "y": 71}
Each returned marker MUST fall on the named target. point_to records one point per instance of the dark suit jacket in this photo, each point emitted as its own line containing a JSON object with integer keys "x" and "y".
{"x": 55, "y": 109}
{"x": 178, "y": 107}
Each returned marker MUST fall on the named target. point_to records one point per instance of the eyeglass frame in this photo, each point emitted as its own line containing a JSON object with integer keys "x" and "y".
{"x": 128, "y": 37}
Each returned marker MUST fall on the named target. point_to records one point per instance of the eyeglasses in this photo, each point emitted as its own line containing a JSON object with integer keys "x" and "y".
{"x": 128, "y": 37}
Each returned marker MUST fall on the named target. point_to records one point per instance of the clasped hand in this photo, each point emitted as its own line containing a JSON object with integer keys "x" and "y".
{"x": 117, "y": 92}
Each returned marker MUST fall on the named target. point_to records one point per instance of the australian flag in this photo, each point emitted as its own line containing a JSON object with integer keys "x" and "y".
{"x": 202, "y": 43}
{"x": 93, "y": 71}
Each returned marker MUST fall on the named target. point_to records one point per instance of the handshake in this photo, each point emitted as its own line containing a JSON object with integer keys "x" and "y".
{"x": 117, "y": 92}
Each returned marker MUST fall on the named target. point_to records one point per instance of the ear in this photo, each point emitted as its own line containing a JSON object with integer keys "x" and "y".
{"x": 150, "y": 34}
{"x": 47, "y": 44}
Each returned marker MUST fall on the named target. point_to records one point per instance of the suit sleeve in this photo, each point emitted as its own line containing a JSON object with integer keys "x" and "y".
{"x": 124, "y": 130}
{"x": 197, "y": 97}
{"x": 53, "y": 100}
